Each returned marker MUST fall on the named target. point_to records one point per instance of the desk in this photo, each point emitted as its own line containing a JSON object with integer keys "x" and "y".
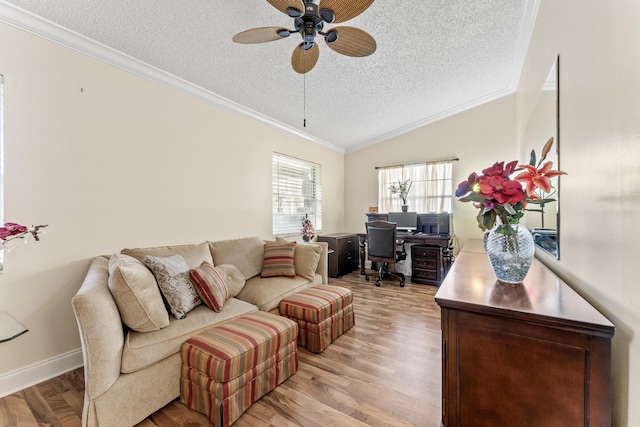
{"x": 438, "y": 242}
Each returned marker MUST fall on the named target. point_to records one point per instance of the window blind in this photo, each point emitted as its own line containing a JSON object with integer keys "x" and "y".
{"x": 297, "y": 191}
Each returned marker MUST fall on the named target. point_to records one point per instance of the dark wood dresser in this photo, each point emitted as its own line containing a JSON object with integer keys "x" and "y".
{"x": 344, "y": 258}
{"x": 532, "y": 354}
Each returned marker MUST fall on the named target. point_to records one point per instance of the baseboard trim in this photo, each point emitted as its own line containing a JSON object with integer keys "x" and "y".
{"x": 31, "y": 375}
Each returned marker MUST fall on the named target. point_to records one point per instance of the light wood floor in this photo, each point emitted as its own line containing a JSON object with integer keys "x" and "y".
{"x": 386, "y": 371}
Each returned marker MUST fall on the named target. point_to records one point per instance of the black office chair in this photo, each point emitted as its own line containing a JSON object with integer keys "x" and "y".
{"x": 384, "y": 248}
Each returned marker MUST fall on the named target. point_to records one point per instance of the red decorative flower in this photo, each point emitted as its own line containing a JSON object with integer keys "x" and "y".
{"x": 496, "y": 194}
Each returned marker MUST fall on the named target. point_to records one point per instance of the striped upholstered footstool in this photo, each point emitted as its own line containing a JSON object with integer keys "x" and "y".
{"x": 228, "y": 367}
{"x": 323, "y": 313}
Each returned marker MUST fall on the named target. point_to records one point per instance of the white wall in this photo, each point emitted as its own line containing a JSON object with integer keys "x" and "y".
{"x": 599, "y": 47}
{"x": 478, "y": 137}
{"x": 111, "y": 160}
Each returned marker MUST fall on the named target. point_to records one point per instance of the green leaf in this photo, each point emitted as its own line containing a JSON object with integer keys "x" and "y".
{"x": 532, "y": 159}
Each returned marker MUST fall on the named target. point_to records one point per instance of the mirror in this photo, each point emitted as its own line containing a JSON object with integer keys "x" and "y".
{"x": 544, "y": 123}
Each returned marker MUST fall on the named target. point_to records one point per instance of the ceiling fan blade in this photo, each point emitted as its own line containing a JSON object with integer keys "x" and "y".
{"x": 345, "y": 10}
{"x": 283, "y": 5}
{"x": 258, "y": 35}
{"x": 351, "y": 41}
{"x": 302, "y": 60}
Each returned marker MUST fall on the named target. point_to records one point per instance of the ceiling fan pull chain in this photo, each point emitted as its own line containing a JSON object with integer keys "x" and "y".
{"x": 304, "y": 97}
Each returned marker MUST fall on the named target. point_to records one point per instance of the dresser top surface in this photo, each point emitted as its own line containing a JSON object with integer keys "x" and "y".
{"x": 471, "y": 285}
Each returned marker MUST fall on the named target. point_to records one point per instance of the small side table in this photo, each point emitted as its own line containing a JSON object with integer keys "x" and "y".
{"x": 10, "y": 328}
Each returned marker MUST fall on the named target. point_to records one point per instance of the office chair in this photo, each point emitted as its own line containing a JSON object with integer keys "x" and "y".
{"x": 383, "y": 249}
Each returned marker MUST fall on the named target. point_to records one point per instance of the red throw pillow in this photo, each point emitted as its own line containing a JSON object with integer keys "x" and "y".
{"x": 209, "y": 285}
{"x": 278, "y": 260}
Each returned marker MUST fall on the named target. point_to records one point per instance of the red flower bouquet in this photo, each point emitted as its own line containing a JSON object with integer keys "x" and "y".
{"x": 497, "y": 195}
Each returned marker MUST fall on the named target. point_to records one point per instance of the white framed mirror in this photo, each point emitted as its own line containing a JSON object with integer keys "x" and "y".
{"x": 544, "y": 123}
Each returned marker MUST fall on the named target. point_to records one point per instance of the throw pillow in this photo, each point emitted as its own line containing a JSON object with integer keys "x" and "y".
{"x": 233, "y": 277}
{"x": 278, "y": 260}
{"x": 210, "y": 286}
{"x": 172, "y": 274}
{"x": 305, "y": 258}
{"x": 136, "y": 294}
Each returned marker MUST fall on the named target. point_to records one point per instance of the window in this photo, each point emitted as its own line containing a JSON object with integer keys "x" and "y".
{"x": 297, "y": 191}
{"x": 431, "y": 187}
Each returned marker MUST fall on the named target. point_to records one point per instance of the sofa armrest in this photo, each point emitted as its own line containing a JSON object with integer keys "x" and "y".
{"x": 323, "y": 264}
{"x": 101, "y": 330}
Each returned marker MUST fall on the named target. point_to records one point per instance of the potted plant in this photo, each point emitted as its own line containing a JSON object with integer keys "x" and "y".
{"x": 402, "y": 188}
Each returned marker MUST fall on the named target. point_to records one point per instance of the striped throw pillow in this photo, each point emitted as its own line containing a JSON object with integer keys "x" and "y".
{"x": 278, "y": 260}
{"x": 209, "y": 285}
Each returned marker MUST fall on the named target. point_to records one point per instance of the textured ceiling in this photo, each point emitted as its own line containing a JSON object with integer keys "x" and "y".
{"x": 433, "y": 58}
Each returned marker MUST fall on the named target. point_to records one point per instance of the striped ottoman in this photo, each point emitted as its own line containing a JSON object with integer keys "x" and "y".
{"x": 323, "y": 313}
{"x": 228, "y": 367}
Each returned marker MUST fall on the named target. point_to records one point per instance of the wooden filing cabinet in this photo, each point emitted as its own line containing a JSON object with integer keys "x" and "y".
{"x": 426, "y": 264}
{"x": 344, "y": 258}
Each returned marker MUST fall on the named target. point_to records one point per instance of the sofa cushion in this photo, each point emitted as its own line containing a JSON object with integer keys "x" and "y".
{"x": 194, "y": 254}
{"x": 278, "y": 260}
{"x": 267, "y": 293}
{"x": 144, "y": 349}
{"x": 136, "y": 293}
{"x": 172, "y": 274}
{"x": 210, "y": 286}
{"x": 233, "y": 277}
{"x": 305, "y": 258}
{"x": 245, "y": 253}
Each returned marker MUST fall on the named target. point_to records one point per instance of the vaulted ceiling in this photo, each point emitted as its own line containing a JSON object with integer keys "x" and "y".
{"x": 433, "y": 58}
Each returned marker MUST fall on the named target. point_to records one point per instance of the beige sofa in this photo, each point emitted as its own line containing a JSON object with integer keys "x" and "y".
{"x": 131, "y": 374}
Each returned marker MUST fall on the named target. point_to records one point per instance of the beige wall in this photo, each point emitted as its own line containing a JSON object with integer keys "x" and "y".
{"x": 111, "y": 160}
{"x": 478, "y": 137}
{"x": 598, "y": 43}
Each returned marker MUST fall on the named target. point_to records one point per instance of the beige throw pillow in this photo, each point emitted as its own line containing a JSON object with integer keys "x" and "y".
{"x": 233, "y": 277}
{"x": 136, "y": 293}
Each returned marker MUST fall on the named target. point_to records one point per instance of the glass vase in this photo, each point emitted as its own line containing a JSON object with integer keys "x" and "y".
{"x": 510, "y": 248}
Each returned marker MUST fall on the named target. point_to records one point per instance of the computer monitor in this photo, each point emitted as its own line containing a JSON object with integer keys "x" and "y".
{"x": 405, "y": 221}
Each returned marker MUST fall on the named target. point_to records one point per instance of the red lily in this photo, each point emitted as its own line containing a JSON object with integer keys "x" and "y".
{"x": 538, "y": 177}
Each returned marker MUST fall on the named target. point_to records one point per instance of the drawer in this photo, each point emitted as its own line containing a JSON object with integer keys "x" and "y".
{"x": 348, "y": 245}
{"x": 427, "y": 263}
{"x": 419, "y": 273}
{"x": 422, "y": 252}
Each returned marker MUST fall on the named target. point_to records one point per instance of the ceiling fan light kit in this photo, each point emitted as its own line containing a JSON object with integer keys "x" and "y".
{"x": 309, "y": 20}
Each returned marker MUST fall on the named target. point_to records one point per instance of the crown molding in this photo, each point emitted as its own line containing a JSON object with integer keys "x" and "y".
{"x": 31, "y": 23}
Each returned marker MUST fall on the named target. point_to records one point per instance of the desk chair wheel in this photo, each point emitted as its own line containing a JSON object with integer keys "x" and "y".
{"x": 402, "y": 284}
{"x": 378, "y": 282}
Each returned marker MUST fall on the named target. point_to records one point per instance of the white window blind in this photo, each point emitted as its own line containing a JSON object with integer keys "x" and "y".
{"x": 297, "y": 191}
{"x": 431, "y": 188}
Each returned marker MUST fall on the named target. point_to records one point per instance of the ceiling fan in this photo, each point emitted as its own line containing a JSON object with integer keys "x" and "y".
{"x": 308, "y": 20}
